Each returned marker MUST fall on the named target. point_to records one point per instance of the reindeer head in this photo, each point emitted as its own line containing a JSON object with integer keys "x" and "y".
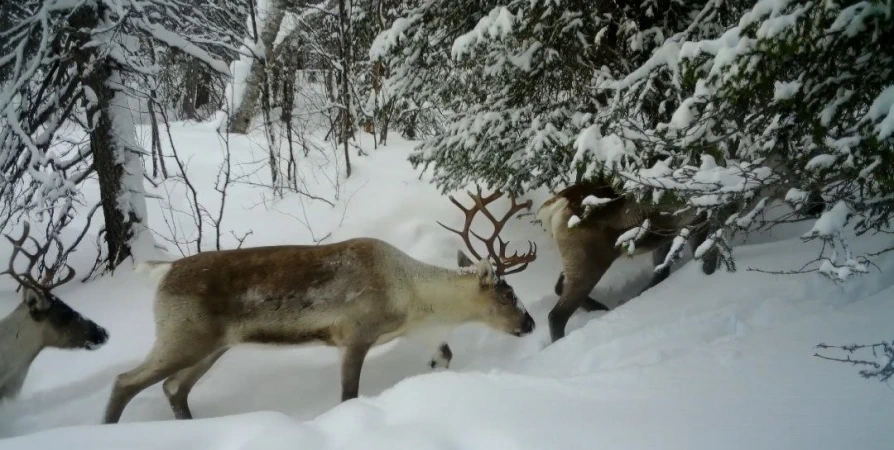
{"x": 61, "y": 326}
{"x": 504, "y": 311}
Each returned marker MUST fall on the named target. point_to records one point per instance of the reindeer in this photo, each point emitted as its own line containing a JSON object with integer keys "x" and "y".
{"x": 352, "y": 295}
{"x": 42, "y": 320}
{"x": 589, "y": 248}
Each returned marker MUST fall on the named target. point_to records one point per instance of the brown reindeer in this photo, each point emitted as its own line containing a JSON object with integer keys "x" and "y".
{"x": 352, "y": 295}
{"x": 588, "y": 248}
{"x": 42, "y": 320}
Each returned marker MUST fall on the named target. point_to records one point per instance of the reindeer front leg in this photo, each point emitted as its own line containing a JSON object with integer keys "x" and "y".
{"x": 583, "y": 269}
{"x": 351, "y": 364}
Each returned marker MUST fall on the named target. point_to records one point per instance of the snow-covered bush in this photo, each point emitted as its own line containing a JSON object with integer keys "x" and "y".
{"x": 720, "y": 106}
{"x": 520, "y": 80}
{"x": 794, "y": 102}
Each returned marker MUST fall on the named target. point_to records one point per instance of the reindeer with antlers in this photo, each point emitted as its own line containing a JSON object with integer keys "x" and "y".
{"x": 42, "y": 320}
{"x": 505, "y": 265}
{"x": 353, "y": 295}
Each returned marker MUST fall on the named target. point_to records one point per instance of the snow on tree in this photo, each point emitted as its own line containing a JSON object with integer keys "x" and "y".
{"x": 70, "y": 70}
{"x": 792, "y": 102}
{"x": 718, "y": 106}
{"x": 518, "y": 80}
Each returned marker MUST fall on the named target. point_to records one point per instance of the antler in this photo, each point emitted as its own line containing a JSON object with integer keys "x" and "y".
{"x": 25, "y": 278}
{"x": 504, "y": 265}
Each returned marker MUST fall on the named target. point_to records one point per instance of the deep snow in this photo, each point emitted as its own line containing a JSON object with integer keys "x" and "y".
{"x": 695, "y": 363}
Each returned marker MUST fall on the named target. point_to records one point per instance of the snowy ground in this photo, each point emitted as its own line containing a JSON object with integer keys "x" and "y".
{"x": 720, "y": 362}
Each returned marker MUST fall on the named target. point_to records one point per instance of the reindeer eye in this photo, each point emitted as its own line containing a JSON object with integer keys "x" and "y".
{"x": 509, "y": 299}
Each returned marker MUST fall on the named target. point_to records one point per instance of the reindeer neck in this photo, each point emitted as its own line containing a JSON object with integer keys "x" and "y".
{"x": 20, "y": 342}
{"x": 449, "y": 295}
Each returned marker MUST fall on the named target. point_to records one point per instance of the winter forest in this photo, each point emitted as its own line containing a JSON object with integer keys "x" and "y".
{"x": 464, "y": 224}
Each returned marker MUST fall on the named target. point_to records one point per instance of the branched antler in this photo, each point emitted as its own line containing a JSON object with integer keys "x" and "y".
{"x": 26, "y": 278}
{"x": 504, "y": 264}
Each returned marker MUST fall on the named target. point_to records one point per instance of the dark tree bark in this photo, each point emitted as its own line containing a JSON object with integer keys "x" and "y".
{"x": 109, "y": 169}
{"x": 345, "y": 41}
{"x": 118, "y": 228}
{"x": 196, "y": 90}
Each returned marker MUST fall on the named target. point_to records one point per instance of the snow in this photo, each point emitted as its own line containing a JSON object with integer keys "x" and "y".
{"x": 828, "y": 113}
{"x": 524, "y": 60}
{"x": 174, "y": 40}
{"x": 388, "y": 39}
{"x": 496, "y": 25}
{"x": 883, "y": 108}
{"x": 852, "y": 19}
{"x": 594, "y": 201}
{"x": 611, "y": 150}
{"x": 796, "y": 196}
{"x": 132, "y": 198}
{"x": 784, "y": 90}
{"x": 684, "y": 115}
{"x": 631, "y": 236}
{"x": 832, "y": 221}
{"x": 822, "y": 161}
{"x": 697, "y": 362}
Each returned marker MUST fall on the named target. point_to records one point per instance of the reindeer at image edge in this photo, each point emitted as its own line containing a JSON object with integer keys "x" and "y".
{"x": 42, "y": 320}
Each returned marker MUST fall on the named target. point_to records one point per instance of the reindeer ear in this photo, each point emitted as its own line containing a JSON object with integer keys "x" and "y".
{"x": 462, "y": 260}
{"x": 34, "y": 299}
{"x": 486, "y": 273}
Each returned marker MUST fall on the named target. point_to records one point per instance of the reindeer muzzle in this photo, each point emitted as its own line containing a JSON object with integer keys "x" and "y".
{"x": 527, "y": 326}
{"x": 98, "y": 337}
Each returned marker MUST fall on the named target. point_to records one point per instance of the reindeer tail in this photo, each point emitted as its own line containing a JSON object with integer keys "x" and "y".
{"x": 154, "y": 269}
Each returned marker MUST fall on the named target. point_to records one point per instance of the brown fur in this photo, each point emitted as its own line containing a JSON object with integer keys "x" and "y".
{"x": 588, "y": 249}
{"x": 353, "y": 295}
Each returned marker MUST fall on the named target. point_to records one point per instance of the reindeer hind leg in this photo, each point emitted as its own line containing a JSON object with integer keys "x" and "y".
{"x": 658, "y": 256}
{"x": 162, "y": 362}
{"x": 710, "y": 259}
{"x": 178, "y": 386}
{"x": 589, "y": 304}
{"x": 581, "y": 276}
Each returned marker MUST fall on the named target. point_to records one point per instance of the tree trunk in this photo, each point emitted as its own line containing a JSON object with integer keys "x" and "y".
{"x": 203, "y": 88}
{"x": 116, "y": 160}
{"x": 245, "y": 110}
{"x": 345, "y": 40}
{"x": 120, "y": 227}
{"x": 157, "y": 155}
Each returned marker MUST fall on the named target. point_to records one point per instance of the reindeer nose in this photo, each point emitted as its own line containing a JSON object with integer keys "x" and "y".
{"x": 528, "y": 324}
{"x": 98, "y": 336}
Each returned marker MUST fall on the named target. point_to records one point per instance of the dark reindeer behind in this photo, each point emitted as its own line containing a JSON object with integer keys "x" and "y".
{"x": 588, "y": 246}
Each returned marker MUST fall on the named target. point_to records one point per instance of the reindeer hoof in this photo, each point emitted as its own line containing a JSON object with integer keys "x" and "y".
{"x": 439, "y": 363}
{"x": 442, "y": 357}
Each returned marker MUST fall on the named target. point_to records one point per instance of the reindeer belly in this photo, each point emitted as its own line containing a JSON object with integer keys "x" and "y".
{"x": 287, "y": 337}
{"x": 392, "y": 335}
